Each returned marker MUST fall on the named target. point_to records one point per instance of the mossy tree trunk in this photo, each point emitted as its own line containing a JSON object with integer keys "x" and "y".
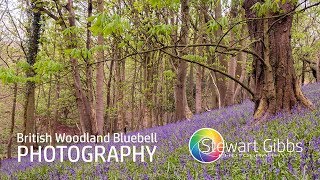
{"x": 33, "y": 48}
{"x": 276, "y": 86}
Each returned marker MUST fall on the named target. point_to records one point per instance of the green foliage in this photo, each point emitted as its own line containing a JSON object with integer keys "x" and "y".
{"x": 267, "y": 7}
{"x": 71, "y": 30}
{"x": 196, "y": 58}
{"x": 162, "y": 31}
{"x": 214, "y": 25}
{"x": 46, "y": 68}
{"x": 169, "y": 75}
{"x": 9, "y": 75}
{"x": 43, "y": 69}
{"x": 224, "y": 21}
{"x": 108, "y": 25}
{"x": 171, "y": 4}
{"x": 23, "y": 65}
{"x": 138, "y": 5}
{"x": 305, "y": 41}
{"x": 83, "y": 53}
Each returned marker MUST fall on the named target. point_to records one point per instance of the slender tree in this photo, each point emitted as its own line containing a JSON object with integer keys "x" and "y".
{"x": 89, "y": 73}
{"x": 220, "y": 59}
{"x": 232, "y": 63}
{"x": 81, "y": 99}
{"x": 181, "y": 104}
{"x": 13, "y": 119}
{"x": 100, "y": 79}
{"x": 32, "y": 51}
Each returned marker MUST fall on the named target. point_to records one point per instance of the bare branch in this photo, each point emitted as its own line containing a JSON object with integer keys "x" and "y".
{"x": 212, "y": 69}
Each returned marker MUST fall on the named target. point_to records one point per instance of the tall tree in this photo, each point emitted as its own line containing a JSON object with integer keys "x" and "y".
{"x": 232, "y": 63}
{"x": 181, "y": 104}
{"x": 89, "y": 78}
{"x": 32, "y": 51}
{"x": 100, "y": 79}
{"x": 13, "y": 119}
{"x": 199, "y": 70}
{"x": 242, "y": 57}
{"x": 82, "y": 100}
{"x": 119, "y": 66}
{"x": 220, "y": 58}
{"x": 276, "y": 84}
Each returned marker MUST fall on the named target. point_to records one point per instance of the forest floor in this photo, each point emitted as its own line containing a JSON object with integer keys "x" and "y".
{"x": 173, "y": 160}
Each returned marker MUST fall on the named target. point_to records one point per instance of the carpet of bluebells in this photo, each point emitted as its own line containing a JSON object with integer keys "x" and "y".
{"x": 173, "y": 160}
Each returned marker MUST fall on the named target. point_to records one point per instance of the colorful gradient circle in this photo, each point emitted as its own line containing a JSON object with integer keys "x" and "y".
{"x": 199, "y": 137}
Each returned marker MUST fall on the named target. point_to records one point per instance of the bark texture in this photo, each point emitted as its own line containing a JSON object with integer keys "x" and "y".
{"x": 89, "y": 74}
{"x": 13, "y": 119}
{"x": 33, "y": 47}
{"x": 181, "y": 106}
{"x": 120, "y": 122}
{"x": 83, "y": 103}
{"x": 276, "y": 85}
{"x": 232, "y": 64}
{"x": 220, "y": 59}
{"x": 100, "y": 79}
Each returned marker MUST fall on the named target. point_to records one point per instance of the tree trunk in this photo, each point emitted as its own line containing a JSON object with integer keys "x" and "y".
{"x": 33, "y": 47}
{"x": 181, "y": 105}
{"x": 242, "y": 57}
{"x": 221, "y": 60}
{"x": 199, "y": 70}
{"x": 133, "y": 102}
{"x": 148, "y": 80}
{"x": 318, "y": 69}
{"x": 108, "y": 103}
{"x": 232, "y": 64}
{"x": 199, "y": 90}
{"x": 276, "y": 85}
{"x": 89, "y": 76}
{"x": 303, "y": 72}
{"x": 100, "y": 79}
{"x": 50, "y": 120}
{"x": 119, "y": 124}
{"x": 13, "y": 116}
{"x": 211, "y": 91}
{"x": 191, "y": 84}
{"x": 53, "y": 123}
{"x": 81, "y": 99}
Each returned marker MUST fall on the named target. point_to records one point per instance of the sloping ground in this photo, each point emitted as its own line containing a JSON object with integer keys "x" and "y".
{"x": 173, "y": 160}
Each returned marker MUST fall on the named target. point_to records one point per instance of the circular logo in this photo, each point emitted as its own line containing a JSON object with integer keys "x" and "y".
{"x": 206, "y": 145}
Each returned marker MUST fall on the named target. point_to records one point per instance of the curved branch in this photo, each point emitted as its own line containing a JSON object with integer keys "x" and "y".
{"x": 212, "y": 69}
{"x": 281, "y": 16}
{"x": 185, "y": 46}
{"x": 293, "y": 12}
